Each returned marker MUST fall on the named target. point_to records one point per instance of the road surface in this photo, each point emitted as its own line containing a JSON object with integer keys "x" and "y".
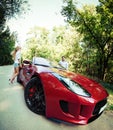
{"x": 14, "y": 114}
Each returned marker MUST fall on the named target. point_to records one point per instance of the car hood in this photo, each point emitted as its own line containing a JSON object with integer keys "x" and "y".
{"x": 95, "y": 89}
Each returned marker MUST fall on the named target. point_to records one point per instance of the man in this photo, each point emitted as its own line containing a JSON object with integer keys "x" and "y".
{"x": 63, "y": 63}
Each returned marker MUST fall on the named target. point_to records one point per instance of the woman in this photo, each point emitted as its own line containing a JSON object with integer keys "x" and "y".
{"x": 16, "y": 54}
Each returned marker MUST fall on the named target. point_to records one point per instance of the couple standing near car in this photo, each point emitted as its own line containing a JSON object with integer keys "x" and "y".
{"x": 16, "y": 54}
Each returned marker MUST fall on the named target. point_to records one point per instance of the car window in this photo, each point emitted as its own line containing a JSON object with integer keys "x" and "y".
{"x": 41, "y": 61}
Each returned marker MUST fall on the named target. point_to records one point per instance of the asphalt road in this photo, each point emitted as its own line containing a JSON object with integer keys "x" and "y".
{"x": 14, "y": 115}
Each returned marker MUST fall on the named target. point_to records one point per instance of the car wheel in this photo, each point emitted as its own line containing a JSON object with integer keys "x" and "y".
{"x": 18, "y": 78}
{"x": 34, "y": 96}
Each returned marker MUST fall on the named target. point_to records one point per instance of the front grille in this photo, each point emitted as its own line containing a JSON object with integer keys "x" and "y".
{"x": 98, "y": 106}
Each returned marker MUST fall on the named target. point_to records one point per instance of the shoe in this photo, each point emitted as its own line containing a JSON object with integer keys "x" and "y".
{"x": 11, "y": 81}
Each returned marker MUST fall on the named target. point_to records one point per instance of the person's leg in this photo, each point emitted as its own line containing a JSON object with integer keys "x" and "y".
{"x": 16, "y": 72}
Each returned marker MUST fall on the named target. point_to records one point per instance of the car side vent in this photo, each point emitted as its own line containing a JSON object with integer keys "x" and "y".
{"x": 64, "y": 106}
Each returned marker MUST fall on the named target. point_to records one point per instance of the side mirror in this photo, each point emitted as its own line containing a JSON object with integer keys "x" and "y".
{"x": 27, "y": 62}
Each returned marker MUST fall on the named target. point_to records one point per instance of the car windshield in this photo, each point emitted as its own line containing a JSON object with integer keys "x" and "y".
{"x": 44, "y": 62}
{"x": 41, "y": 61}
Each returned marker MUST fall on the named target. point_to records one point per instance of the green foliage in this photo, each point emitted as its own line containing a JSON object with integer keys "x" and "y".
{"x": 109, "y": 88}
{"x": 95, "y": 24}
{"x": 8, "y": 9}
{"x": 111, "y": 107}
{"x": 87, "y": 41}
{"x": 37, "y": 43}
{"x": 52, "y": 45}
{"x": 11, "y": 8}
{"x": 6, "y": 45}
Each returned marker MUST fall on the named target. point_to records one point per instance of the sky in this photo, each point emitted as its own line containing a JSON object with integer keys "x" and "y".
{"x": 44, "y": 13}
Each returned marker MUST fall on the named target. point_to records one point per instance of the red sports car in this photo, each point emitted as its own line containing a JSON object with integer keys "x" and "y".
{"x": 61, "y": 94}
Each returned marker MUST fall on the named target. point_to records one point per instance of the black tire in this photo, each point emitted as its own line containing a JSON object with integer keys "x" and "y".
{"x": 18, "y": 79}
{"x": 34, "y": 96}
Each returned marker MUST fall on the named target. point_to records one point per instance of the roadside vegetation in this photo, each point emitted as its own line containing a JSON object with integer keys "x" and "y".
{"x": 109, "y": 88}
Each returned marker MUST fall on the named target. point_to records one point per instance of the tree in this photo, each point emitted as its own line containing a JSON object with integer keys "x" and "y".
{"x": 37, "y": 43}
{"x": 105, "y": 9}
{"x": 66, "y": 42}
{"x": 11, "y": 8}
{"x": 7, "y": 42}
{"x": 95, "y": 26}
{"x": 8, "y": 9}
{"x": 54, "y": 44}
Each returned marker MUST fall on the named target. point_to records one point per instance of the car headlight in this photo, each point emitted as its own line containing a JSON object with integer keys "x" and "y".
{"x": 76, "y": 88}
{"x": 72, "y": 85}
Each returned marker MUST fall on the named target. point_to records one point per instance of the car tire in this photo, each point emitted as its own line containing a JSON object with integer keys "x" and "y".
{"x": 18, "y": 78}
{"x": 34, "y": 96}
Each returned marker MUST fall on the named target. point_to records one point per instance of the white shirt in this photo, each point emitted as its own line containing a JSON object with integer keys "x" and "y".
{"x": 64, "y": 64}
{"x": 17, "y": 56}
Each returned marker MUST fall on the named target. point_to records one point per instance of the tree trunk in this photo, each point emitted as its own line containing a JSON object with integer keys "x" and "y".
{"x": 103, "y": 64}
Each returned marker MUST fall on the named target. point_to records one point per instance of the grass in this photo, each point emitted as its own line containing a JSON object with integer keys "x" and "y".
{"x": 110, "y": 100}
{"x": 109, "y": 88}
